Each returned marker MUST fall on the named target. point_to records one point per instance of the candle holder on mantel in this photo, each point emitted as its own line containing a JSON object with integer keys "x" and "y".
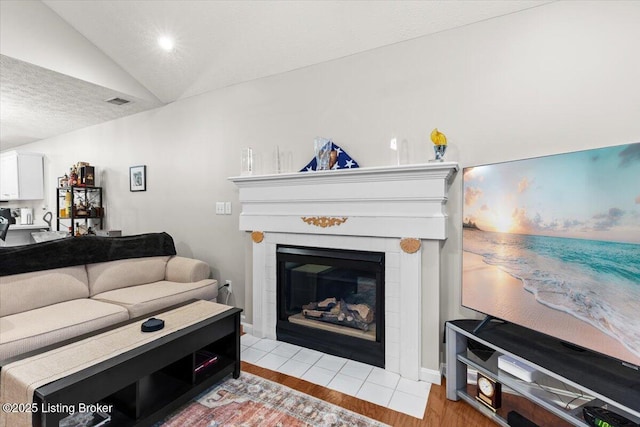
{"x": 439, "y": 150}
{"x": 439, "y": 144}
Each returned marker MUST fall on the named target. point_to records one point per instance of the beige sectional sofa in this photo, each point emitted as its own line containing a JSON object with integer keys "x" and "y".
{"x": 40, "y": 308}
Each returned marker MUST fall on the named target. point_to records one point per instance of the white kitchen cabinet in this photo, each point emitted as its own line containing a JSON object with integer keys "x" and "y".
{"x": 21, "y": 176}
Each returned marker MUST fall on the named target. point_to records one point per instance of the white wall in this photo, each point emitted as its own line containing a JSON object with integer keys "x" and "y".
{"x": 557, "y": 78}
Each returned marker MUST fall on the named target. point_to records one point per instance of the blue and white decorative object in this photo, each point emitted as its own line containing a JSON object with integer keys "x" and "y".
{"x": 329, "y": 156}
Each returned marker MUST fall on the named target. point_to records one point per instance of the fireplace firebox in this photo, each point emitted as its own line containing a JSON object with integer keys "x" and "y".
{"x": 332, "y": 300}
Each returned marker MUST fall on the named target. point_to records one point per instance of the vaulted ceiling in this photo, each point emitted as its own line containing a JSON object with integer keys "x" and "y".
{"x": 60, "y": 60}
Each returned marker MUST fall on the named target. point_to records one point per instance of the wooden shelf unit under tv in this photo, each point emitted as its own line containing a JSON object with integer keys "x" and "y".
{"x": 585, "y": 378}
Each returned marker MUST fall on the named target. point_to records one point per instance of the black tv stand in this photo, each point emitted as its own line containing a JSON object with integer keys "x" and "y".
{"x": 483, "y": 323}
{"x": 593, "y": 379}
{"x": 573, "y": 347}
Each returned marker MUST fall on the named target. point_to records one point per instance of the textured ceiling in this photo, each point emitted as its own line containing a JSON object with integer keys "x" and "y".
{"x": 218, "y": 43}
{"x": 37, "y": 103}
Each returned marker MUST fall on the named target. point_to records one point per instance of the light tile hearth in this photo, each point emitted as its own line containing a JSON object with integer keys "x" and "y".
{"x": 356, "y": 379}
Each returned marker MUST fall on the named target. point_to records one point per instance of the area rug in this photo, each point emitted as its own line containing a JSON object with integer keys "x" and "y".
{"x": 254, "y": 401}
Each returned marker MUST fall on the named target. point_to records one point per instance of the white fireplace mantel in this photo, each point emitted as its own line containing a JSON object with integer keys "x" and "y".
{"x": 370, "y": 209}
{"x": 399, "y": 201}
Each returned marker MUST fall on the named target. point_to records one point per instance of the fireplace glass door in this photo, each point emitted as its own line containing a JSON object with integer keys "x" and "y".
{"x": 332, "y": 300}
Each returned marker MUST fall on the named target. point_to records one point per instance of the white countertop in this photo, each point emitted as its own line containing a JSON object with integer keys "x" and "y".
{"x": 16, "y": 227}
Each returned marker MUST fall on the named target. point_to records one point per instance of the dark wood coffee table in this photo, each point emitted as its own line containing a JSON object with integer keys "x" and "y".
{"x": 144, "y": 385}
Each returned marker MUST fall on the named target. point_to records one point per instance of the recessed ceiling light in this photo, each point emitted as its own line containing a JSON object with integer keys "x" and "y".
{"x": 166, "y": 43}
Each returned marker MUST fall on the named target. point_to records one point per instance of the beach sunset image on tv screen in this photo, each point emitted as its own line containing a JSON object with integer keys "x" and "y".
{"x": 553, "y": 244}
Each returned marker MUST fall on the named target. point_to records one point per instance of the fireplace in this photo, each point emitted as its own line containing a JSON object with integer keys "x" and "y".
{"x": 398, "y": 212}
{"x": 332, "y": 300}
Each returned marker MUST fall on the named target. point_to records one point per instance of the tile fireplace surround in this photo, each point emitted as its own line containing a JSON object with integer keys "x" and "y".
{"x": 398, "y": 210}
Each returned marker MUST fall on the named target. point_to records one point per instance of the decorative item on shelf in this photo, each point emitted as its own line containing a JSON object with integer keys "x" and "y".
{"x": 440, "y": 144}
{"x": 277, "y": 160}
{"x": 489, "y": 392}
{"x": 399, "y": 151}
{"x": 330, "y": 157}
{"x": 323, "y": 149}
{"x": 67, "y": 204}
{"x": 281, "y": 160}
{"x": 87, "y": 174}
{"x": 247, "y": 162}
{"x": 83, "y": 230}
{"x": 63, "y": 181}
{"x": 138, "y": 178}
{"x": 81, "y": 209}
{"x": 73, "y": 176}
{"x": 79, "y": 169}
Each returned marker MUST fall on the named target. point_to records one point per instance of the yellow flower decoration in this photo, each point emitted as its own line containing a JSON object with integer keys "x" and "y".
{"x": 438, "y": 137}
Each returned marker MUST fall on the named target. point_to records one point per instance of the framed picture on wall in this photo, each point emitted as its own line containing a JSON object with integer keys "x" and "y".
{"x": 138, "y": 178}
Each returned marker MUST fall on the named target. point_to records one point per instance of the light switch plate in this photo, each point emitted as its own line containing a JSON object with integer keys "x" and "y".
{"x": 219, "y": 208}
{"x": 227, "y": 208}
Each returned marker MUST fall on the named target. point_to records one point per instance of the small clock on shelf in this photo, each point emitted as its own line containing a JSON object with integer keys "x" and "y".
{"x": 489, "y": 392}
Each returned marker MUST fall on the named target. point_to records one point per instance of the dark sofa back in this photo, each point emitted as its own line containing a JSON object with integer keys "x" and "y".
{"x": 82, "y": 250}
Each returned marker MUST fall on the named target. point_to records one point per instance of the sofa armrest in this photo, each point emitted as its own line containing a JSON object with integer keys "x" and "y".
{"x": 186, "y": 270}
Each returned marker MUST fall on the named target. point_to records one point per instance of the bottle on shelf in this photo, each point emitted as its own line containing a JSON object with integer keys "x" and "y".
{"x": 67, "y": 205}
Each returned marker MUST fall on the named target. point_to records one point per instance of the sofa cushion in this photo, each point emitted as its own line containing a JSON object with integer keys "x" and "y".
{"x": 23, "y": 332}
{"x": 143, "y": 299}
{"x": 181, "y": 269}
{"x": 107, "y": 276}
{"x": 27, "y": 291}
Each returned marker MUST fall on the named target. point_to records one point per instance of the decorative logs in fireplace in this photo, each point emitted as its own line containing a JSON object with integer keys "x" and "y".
{"x": 358, "y": 316}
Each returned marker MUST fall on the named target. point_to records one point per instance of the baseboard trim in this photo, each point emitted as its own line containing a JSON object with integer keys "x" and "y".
{"x": 430, "y": 375}
{"x": 247, "y": 327}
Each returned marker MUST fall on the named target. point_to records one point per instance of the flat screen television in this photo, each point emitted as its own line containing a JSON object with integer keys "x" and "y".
{"x": 553, "y": 244}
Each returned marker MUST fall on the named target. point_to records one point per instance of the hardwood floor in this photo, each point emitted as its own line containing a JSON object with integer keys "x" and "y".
{"x": 439, "y": 411}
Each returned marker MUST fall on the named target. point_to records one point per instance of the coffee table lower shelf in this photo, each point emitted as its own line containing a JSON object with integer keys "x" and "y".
{"x": 159, "y": 396}
{"x": 143, "y": 386}
{"x": 154, "y": 397}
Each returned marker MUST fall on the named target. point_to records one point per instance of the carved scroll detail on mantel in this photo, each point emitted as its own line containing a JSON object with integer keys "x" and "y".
{"x": 410, "y": 245}
{"x": 257, "y": 236}
{"x": 324, "y": 221}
